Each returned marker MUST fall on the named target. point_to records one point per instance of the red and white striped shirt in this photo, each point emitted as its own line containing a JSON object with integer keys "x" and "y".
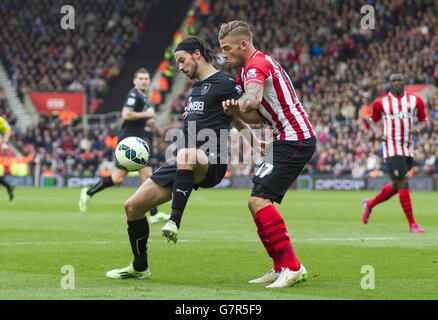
{"x": 280, "y": 107}
{"x": 398, "y": 115}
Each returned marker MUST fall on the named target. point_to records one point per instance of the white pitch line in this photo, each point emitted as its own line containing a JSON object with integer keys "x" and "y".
{"x": 31, "y": 243}
{"x": 25, "y": 243}
{"x": 356, "y": 239}
{"x": 365, "y": 238}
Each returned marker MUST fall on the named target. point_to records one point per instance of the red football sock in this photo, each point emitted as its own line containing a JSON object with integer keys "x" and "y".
{"x": 275, "y": 231}
{"x": 267, "y": 244}
{"x": 383, "y": 195}
{"x": 405, "y": 201}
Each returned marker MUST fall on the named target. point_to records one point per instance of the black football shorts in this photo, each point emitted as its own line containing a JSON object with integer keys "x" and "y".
{"x": 399, "y": 166}
{"x": 272, "y": 180}
{"x": 164, "y": 175}
{"x": 143, "y": 134}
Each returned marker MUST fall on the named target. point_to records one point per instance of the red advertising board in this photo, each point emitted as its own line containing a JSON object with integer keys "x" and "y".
{"x": 50, "y": 102}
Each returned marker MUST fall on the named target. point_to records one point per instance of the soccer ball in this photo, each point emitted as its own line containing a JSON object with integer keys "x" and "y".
{"x": 132, "y": 153}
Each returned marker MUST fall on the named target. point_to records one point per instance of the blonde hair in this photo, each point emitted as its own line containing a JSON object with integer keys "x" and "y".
{"x": 141, "y": 70}
{"x": 236, "y": 29}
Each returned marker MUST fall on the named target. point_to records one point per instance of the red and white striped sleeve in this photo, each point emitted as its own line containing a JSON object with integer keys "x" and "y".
{"x": 421, "y": 110}
{"x": 376, "y": 112}
{"x": 256, "y": 71}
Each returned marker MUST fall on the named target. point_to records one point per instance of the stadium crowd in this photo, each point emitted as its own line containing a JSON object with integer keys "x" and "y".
{"x": 338, "y": 69}
{"x": 71, "y": 149}
{"x": 5, "y": 110}
{"x": 38, "y": 57}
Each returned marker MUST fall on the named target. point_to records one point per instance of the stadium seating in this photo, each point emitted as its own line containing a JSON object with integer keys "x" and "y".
{"x": 337, "y": 68}
{"x": 83, "y": 60}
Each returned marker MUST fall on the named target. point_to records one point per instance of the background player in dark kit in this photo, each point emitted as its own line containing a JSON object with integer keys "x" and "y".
{"x": 137, "y": 119}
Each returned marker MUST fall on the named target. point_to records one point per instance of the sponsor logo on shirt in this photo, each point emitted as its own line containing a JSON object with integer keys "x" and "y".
{"x": 251, "y": 73}
{"x": 195, "y": 106}
{"x": 130, "y": 101}
{"x": 400, "y": 115}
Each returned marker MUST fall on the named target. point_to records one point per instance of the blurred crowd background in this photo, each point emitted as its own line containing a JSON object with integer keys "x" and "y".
{"x": 338, "y": 70}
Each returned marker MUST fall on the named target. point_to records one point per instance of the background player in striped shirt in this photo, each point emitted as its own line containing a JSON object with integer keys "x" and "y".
{"x": 270, "y": 97}
{"x": 5, "y": 134}
{"x": 398, "y": 111}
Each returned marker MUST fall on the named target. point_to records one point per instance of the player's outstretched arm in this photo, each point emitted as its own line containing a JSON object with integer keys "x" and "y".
{"x": 246, "y": 131}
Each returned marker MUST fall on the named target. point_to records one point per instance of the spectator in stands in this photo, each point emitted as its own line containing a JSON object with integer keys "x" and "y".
{"x": 110, "y": 141}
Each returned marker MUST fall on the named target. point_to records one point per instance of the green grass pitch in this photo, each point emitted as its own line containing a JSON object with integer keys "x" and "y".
{"x": 42, "y": 230}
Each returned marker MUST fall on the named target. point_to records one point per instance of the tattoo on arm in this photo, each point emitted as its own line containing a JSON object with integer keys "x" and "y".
{"x": 252, "y": 97}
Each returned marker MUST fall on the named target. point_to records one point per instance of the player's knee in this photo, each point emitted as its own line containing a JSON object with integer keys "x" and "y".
{"x": 131, "y": 210}
{"x": 256, "y": 203}
{"x": 129, "y": 207}
{"x": 394, "y": 186}
{"x": 118, "y": 178}
{"x": 403, "y": 184}
{"x": 251, "y": 203}
{"x": 400, "y": 184}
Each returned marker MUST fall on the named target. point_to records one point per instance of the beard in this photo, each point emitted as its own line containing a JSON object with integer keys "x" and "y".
{"x": 194, "y": 72}
{"x": 236, "y": 63}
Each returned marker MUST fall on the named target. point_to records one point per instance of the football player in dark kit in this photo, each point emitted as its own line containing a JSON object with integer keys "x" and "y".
{"x": 193, "y": 167}
{"x": 137, "y": 120}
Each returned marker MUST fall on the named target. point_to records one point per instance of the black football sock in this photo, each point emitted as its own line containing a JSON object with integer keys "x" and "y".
{"x": 138, "y": 231}
{"x": 105, "y": 182}
{"x": 5, "y": 183}
{"x": 8, "y": 186}
{"x": 153, "y": 211}
{"x": 181, "y": 189}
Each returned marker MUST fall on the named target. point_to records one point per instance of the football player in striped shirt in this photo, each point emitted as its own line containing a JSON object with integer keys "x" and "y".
{"x": 403, "y": 115}
{"x": 270, "y": 97}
